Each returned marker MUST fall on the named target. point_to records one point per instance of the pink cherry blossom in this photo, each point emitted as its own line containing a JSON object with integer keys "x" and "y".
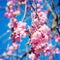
{"x": 11, "y": 48}
{"x": 32, "y": 56}
{"x": 13, "y": 23}
{"x": 17, "y": 12}
{"x": 42, "y": 16}
{"x": 57, "y": 51}
{"x": 22, "y": 24}
{"x": 39, "y": 0}
{"x": 15, "y": 46}
{"x": 57, "y": 38}
{"x": 44, "y": 29}
{"x": 9, "y": 52}
{"x": 9, "y": 3}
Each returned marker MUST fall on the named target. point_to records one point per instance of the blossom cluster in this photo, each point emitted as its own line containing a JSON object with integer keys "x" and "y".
{"x": 11, "y": 49}
{"x": 18, "y": 28}
{"x": 40, "y": 33}
{"x": 57, "y": 38}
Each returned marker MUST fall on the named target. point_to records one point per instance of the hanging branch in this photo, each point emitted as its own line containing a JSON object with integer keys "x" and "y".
{"x": 15, "y": 55}
{"x": 55, "y": 24}
{"x": 31, "y": 5}
{"x": 53, "y": 5}
{"x": 25, "y": 12}
{"x": 50, "y": 9}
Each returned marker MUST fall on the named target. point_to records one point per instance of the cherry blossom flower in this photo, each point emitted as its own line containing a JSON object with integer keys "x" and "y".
{"x": 57, "y": 38}
{"x": 9, "y": 3}
{"x": 57, "y": 51}
{"x": 39, "y": 0}
{"x": 9, "y": 52}
{"x": 32, "y": 56}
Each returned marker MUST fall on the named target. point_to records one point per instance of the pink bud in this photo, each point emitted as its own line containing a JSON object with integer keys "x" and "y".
{"x": 57, "y": 39}
{"x": 39, "y": 0}
{"x": 9, "y": 3}
{"x": 11, "y": 6}
{"x": 38, "y": 5}
{"x": 45, "y": 54}
{"x": 38, "y": 10}
{"x": 6, "y": 14}
{"x": 15, "y": 45}
{"x": 9, "y": 15}
{"x": 57, "y": 51}
{"x": 9, "y": 52}
{"x": 11, "y": 11}
{"x": 11, "y": 48}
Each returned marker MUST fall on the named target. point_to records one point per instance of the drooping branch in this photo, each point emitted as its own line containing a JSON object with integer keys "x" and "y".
{"x": 15, "y": 55}
{"x": 25, "y": 13}
{"x": 50, "y": 9}
{"x": 55, "y": 24}
{"x": 53, "y": 5}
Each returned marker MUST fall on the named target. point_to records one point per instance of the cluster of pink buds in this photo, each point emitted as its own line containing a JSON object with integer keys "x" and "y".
{"x": 12, "y": 48}
{"x": 18, "y": 28}
{"x": 57, "y": 38}
{"x": 39, "y": 18}
{"x": 11, "y": 12}
{"x": 19, "y": 32}
{"x": 40, "y": 34}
